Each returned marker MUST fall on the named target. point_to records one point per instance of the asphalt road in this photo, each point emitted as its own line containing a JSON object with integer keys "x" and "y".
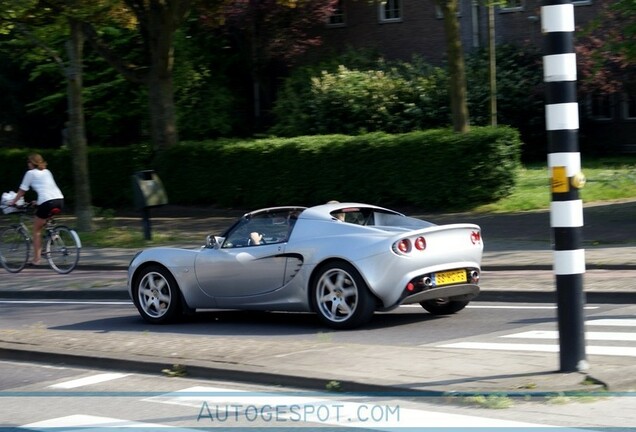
{"x": 407, "y": 326}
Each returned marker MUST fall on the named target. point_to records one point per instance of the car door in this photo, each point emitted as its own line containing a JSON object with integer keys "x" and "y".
{"x": 241, "y": 271}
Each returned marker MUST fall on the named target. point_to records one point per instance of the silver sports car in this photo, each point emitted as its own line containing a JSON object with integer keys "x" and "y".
{"x": 343, "y": 261}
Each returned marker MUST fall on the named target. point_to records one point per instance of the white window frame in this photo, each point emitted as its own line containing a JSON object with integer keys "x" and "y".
{"x": 581, "y": 2}
{"x": 396, "y": 7}
{"x": 520, "y": 6}
{"x": 339, "y": 17}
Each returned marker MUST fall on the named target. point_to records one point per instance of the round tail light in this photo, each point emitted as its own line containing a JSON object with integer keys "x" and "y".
{"x": 420, "y": 243}
{"x": 404, "y": 246}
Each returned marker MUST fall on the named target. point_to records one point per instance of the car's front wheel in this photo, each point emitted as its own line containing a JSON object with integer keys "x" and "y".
{"x": 156, "y": 295}
{"x": 340, "y": 296}
{"x": 443, "y": 306}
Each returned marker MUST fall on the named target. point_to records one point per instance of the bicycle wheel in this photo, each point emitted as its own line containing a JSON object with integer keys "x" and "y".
{"x": 14, "y": 248}
{"x": 62, "y": 249}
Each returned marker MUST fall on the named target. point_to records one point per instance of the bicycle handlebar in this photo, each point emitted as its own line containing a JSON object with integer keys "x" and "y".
{"x": 18, "y": 208}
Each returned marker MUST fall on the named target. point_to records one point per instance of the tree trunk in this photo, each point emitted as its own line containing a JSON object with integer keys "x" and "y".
{"x": 163, "y": 120}
{"x": 456, "y": 67}
{"x": 76, "y": 132}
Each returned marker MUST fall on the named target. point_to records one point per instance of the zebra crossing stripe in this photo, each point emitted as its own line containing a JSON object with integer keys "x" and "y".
{"x": 599, "y": 336}
{"x": 80, "y": 422}
{"x": 554, "y": 335}
{"x": 93, "y": 379}
{"x": 594, "y": 350}
{"x": 612, "y": 322}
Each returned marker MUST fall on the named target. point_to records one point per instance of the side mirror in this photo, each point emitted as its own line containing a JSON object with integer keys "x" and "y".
{"x": 212, "y": 241}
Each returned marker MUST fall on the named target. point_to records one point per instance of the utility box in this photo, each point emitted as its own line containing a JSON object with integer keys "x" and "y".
{"x": 148, "y": 190}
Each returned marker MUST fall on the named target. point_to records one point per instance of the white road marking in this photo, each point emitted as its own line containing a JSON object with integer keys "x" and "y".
{"x": 612, "y": 322}
{"x": 80, "y": 422}
{"x": 473, "y": 306}
{"x": 215, "y": 404}
{"x": 94, "y": 379}
{"x": 592, "y": 350}
{"x": 550, "y": 334}
{"x": 521, "y": 307}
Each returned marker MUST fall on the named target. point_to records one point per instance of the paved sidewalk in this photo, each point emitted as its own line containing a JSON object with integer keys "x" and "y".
{"x": 517, "y": 263}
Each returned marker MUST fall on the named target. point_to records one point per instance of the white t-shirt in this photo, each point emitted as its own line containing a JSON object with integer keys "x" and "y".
{"x": 42, "y": 182}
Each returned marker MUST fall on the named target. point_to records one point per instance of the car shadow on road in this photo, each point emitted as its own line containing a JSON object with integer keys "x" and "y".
{"x": 243, "y": 323}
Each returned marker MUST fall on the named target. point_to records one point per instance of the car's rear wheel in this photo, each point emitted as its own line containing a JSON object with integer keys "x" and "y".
{"x": 443, "y": 306}
{"x": 340, "y": 296}
{"x": 156, "y": 295}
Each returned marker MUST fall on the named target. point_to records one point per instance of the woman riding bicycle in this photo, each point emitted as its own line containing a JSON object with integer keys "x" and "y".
{"x": 50, "y": 197}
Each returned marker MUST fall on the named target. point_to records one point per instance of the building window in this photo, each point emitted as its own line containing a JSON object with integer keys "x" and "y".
{"x": 629, "y": 106}
{"x": 511, "y": 6}
{"x": 600, "y": 106}
{"x": 337, "y": 19}
{"x": 390, "y": 10}
{"x": 581, "y": 2}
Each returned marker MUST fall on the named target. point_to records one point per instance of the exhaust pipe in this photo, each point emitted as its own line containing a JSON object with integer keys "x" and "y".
{"x": 427, "y": 282}
{"x": 474, "y": 276}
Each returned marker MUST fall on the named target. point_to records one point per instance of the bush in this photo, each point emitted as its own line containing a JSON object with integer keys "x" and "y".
{"x": 433, "y": 170}
{"x": 358, "y": 94}
{"x": 392, "y": 97}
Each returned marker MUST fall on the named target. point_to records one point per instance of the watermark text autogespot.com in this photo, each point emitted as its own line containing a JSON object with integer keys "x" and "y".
{"x": 331, "y": 413}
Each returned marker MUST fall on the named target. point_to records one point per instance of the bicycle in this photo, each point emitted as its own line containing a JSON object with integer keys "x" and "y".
{"x": 62, "y": 244}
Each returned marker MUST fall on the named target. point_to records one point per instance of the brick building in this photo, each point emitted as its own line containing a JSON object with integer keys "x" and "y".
{"x": 398, "y": 29}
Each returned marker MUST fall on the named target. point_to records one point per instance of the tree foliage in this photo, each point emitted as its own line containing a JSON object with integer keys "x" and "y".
{"x": 606, "y": 51}
{"x": 268, "y": 35}
{"x": 275, "y": 29}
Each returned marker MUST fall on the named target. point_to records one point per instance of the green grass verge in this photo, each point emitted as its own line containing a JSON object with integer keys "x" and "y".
{"x": 608, "y": 179}
{"x": 122, "y": 237}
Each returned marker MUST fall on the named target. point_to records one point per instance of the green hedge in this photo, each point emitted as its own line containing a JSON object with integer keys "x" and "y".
{"x": 432, "y": 170}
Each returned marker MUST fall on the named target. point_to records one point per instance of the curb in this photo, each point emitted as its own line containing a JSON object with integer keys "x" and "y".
{"x": 193, "y": 369}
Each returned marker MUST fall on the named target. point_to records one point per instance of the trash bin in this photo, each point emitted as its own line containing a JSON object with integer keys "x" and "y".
{"x": 148, "y": 192}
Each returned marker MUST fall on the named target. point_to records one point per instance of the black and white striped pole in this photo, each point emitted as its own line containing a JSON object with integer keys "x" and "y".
{"x": 564, "y": 163}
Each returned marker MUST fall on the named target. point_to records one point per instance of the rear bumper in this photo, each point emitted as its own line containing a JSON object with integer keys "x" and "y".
{"x": 454, "y": 292}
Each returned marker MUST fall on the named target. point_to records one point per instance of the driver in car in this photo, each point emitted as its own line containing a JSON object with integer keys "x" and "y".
{"x": 256, "y": 238}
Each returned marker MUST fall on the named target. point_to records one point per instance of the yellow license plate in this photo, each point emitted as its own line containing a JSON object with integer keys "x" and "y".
{"x": 450, "y": 277}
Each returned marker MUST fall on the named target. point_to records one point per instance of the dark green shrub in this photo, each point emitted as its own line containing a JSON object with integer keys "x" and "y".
{"x": 433, "y": 170}
{"x": 392, "y": 97}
